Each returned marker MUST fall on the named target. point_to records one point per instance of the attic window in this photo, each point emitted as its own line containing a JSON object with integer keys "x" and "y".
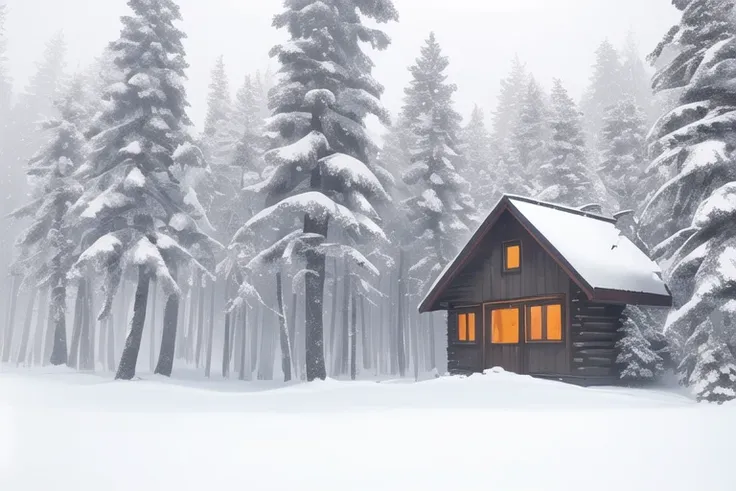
{"x": 512, "y": 256}
{"x": 466, "y": 327}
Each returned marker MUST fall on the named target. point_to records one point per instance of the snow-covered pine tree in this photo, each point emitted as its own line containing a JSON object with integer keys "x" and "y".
{"x": 637, "y": 357}
{"x": 690, "y": 219}
{"x": 479, "y": 166}
{"x": 529, "y": 138}
{"x": 48, "y": 244}
{"x": 636, "y": 80}
{"x": 218, "y": 99}
{"x": 623, "y": 154}
{"x": 318, "y": 175}
{"x": 565, "y": 177}
{"x": 134, "y": 209}
{"x": 605, "y": 89}
{"x": 441, "y": 210}
{"x": 510, "y": 98}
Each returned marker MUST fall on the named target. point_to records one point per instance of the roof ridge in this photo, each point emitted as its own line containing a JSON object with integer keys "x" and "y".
{"x": 554, "y": 206}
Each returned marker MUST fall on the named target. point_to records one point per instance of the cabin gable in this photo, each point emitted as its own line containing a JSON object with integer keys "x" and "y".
{"x": 485, "y": 279}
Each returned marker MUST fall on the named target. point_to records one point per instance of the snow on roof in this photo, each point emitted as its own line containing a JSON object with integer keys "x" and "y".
{"x": 594, "y": 247}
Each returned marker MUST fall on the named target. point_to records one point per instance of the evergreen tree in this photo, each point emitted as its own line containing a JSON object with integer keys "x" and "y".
{"x": 48, "y": 244}
{"x": 6, "y": 85}
{"x": 623, "y": 145}
{"x": 508, "y": 109}
{"x": 442, "y": 212}
{"x": 135, "y": 212}
{"x": 479, "y": 162}
{"x": 529, "y": 139}
{"x": 637, "y": 356}
{"x": 318, "y": 174}
{"x": 691, "y": 218}
{"x": 636, "y": 80}
{"x": 605, "y": 89}
{"x": 218, "y": 100}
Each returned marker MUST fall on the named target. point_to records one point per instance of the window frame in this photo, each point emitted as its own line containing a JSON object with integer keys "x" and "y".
{"x": 520, "y": 310}
{"x": 504, "y": 255}
{"x": 528, "y": 327}
{"x": 456, "y": 337}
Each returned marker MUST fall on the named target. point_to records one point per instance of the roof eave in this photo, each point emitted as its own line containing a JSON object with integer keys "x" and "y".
{"x": 622, "y": 297}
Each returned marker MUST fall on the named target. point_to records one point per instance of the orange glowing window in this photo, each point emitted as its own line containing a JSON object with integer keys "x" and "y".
{"x": 505, "y": 326}
{"x": 512, "y": 257}
{"x": 545, "y": 323}
{"x": 466, "y": 327}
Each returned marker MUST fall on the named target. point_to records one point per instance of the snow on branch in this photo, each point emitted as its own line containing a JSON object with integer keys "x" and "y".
{"x": 344, "y": 251}
{"x": 354, "y": 174}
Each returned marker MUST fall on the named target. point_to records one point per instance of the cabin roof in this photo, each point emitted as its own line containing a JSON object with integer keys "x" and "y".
{"x": 606, "y": 265}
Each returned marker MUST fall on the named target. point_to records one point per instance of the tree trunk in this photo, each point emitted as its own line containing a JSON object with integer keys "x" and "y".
{"x": 295, "y": 351}
{"x": 85, "y": 337}
{"x": 400, "y": 348}
{"x": 314, "y": 289}
{"x": 256, "y": 336}
{"x": 129, "y": 358}
{"x": 92, "y": 320}
{"x": 267, "y": 350}
{"x": 57, "y": 314}
{"x": 226, "y": 337}
{"x": 283, "y": 331}
{"x": 211, "y": 331}
{"x": 27, "y": 323}
{"x": 110, "y": 343}
{"x": 333, "y": 319}
{"x": 415, "y": 324}
{"x": 364, "y": 337}
{"x": 353, "y": 337}
{"x": 244, "y": 363}
{"x": 189, "y": 349}
{"x": 381, "y": 350}
{"x": 78, "y": 321}
{"x": 166, "y": 354}
{"x": 200, "y": 322}
{"x": 102, "y": 343}
{"x": 432, "y": 344}
{"x": 38, "y": 337}
{"x": 121, "y": 326}
{"x": 10, "y": 323}
{"x": 345, "y": 331}
{"x": 152, "y": 327}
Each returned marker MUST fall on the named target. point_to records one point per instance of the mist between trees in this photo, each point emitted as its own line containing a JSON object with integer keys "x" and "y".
{"x": 284, "y": 241}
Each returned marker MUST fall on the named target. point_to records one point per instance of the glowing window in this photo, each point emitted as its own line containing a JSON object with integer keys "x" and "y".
{"x": 505, "y": 326}
{"x": 545, "y": 323}
{"x": 512, "y": 257}
{"x": 466, "y": 327}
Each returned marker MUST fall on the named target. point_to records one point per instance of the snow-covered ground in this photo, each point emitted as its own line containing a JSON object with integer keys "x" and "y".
{"x": 61, "y": 430}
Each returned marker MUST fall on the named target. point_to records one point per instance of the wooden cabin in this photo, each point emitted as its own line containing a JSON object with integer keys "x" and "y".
{"x": 540, "y": 289}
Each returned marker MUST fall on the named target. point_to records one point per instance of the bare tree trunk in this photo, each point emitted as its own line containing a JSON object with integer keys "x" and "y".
{"x": 200, "y": 322}
{"x": 110, "y": 343}
{"x": 102, "y": 343}
{"x": 85, "y": 338}
{"x": 181, "y": 313}
{"x": 121, "y": 326}
{"x": 256, "y": 336}
{"x": 353, "y": 337}
{"x": 167, "y": 352}
{"x": 400, "y": 348}
{"x": 152, "y": 327}
{"x": 79, "y": 304}
{"x": 226, "y": 337}
{"x": 295, "y": 351}
{"x": 364, "y": 337}
{"x": 333, "y": 320}
{"x": 266, "y": 356}
{"x": 381, "y": 350}
{"x": 244, "y": 364}
{"x": 57, "y": 315}
{"x": 27, "y": 323}
{"x": 10, "y": 323}
{"x": 129, "y": 358}
{"x": 41, "y": 318}
{"x": 92, "y": 320}
{"x": 345, "y": 331}
{"x": 189, "y": 349}
{"x": 211, "y": 331}
{"x": 283, "y": 331}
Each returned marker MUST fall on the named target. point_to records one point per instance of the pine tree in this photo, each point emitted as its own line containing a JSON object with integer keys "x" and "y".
{"x": 218, "y": 100}
{"x": 623, "y": 145}
{"x": 636, "y": 80}
{"x": 605, "y": 89}
{"x": 135, "y": 212}
{"x": 442, "y": 212}
{"x": 690, "y": 219}
{"x": 637, "y": 357}
{"x": 529, "y": 139}
{"x": 479, "y": 162}
{"x": 508, "y": 109}
{"x": 318, "y": 174}
{"x": 48, "y": 244}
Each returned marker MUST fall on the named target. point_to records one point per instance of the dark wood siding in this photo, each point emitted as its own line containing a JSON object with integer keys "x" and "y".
{"x": 595, "y": 332}
{"x": 483, "y": 280}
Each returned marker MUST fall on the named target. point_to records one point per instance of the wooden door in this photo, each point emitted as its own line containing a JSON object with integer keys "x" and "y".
{"x": 504, "y": 337}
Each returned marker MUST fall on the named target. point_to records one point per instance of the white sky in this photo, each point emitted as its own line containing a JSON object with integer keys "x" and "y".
{"x": 557, "y": 38}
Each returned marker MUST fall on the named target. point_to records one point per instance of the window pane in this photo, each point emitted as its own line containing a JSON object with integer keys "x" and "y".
{"x": 505, "y": 326}
{"x": 554, "y": 322}
{"x": 471, "y": 326}
{"x": 462, "y": 327}
{"x": 535, "y": 323}
{"x": 513, "y": 257}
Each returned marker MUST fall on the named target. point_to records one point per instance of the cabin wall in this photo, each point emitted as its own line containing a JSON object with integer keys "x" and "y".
{"x": 595, "y": 332}
{"x": 463, "y": 358}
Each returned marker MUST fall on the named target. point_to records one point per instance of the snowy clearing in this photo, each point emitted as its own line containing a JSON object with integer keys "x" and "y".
{"x": 497, "y": 431}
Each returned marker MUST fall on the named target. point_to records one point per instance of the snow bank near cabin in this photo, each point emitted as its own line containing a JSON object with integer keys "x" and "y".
{"x": 497, "y": 431}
